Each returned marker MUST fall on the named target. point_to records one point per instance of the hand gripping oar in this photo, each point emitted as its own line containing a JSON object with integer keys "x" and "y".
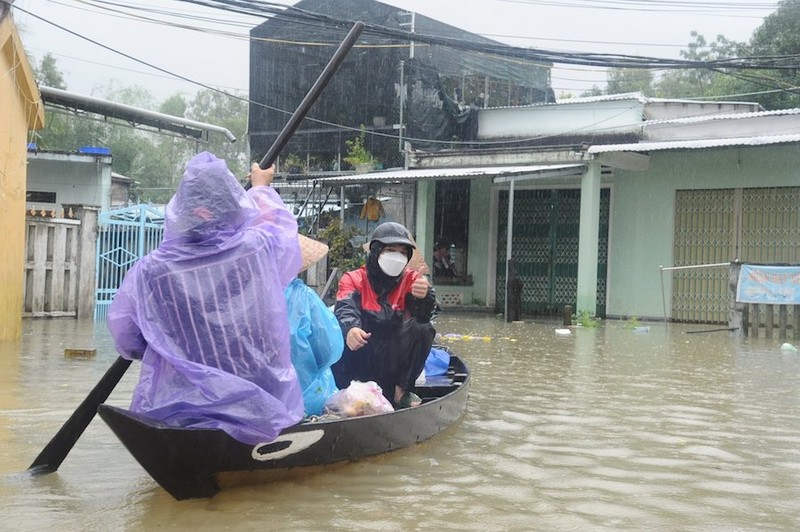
{"x": 56, "y": 451}
{"x": 316, "y": 89}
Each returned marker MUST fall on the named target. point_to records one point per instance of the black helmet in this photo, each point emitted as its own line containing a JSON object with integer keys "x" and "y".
{"x": 391, "y": 233}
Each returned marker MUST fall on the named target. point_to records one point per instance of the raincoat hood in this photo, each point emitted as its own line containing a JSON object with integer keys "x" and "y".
{"x": 209, "y": 203}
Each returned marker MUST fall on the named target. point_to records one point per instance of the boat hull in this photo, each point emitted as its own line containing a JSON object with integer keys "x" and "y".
{"x": 188, "y": 463}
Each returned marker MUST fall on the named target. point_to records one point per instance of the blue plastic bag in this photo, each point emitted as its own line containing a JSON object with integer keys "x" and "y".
{"x": 316, "y": 344}
{"x": 437, "y": 363}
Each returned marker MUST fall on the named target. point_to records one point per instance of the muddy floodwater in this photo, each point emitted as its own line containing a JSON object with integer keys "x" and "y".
{"x": 606, "y": 428}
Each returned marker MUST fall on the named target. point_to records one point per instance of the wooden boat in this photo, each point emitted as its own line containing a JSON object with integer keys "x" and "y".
{"x": 192, "y": 463}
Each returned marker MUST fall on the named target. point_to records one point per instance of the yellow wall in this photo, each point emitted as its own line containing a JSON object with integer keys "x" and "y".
{"x": 21, "y": 110}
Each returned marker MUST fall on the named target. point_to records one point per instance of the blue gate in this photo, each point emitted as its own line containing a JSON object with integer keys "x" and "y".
{"x": 123, "y": 237}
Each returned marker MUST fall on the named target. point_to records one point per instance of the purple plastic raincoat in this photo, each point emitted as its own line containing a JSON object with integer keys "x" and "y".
{"x": 206, "y": 312}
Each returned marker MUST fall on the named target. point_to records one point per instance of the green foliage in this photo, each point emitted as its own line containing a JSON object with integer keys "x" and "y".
{"x": 622, "y": 80}
{"x": 594, "y": 91}
{"x": 47, "y": 73}
{"x": 633, "y": 322}
{"x": 698, "y": 82}
{"x": 175, "y": 105}
{"x": 155, "y": 161}
{"x": 357, "y": 152}
{"x": 342, "y": 254}
{"x": 229, "y": 112}
{"x": 778, "y": 35}
{"x": 291, "y": 163}
{"x": 584, "y": 318}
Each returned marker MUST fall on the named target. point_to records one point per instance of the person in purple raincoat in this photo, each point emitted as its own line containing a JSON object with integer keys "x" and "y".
{"x": 206, "y": 314}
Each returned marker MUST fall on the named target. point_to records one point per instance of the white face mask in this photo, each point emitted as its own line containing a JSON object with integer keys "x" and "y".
{"x": 392, "y": 263}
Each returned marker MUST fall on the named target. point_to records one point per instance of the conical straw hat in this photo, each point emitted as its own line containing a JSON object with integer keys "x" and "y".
{"x": 312, "y": 251}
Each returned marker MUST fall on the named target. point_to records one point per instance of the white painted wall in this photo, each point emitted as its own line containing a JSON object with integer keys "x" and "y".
{"x": 75, "y": 178}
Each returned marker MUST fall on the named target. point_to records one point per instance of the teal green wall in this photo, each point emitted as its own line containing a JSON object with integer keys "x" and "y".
{"x": 643, "y": 206}
{"x": 641, "y": 219}
{"x": 480, "y": 194}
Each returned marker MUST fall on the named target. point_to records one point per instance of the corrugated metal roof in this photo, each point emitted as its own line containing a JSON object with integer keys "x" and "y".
{"x": 725, "y": 116}
{"x": 419, "y": 174}
{"x": 632, "y": 96}
{"x": 635, "y": 96}
{"x": 694, "y": 144}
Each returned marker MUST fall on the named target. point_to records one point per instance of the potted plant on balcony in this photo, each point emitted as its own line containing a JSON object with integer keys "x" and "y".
{"x": 358, "y": 155}
{"x": 292, "y": 164}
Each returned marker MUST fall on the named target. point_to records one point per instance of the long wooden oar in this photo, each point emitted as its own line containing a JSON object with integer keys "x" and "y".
{"x": 56, "y": 451}
{"x": 312, "y": 95}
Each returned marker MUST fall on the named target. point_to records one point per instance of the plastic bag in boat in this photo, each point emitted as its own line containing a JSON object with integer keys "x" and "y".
{"x": 437, "y": 363}
{"x": 359, "y": 399}
{"x": 316, "y": 344}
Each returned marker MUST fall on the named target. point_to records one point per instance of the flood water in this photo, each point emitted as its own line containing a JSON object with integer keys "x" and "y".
{"x": 604, "y": 429}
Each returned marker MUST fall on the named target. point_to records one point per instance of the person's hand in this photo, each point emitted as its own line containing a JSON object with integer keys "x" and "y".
{"x": 357, "y": 338}
{"x": 419, "y": 288}
{"x": 261, "y": 177}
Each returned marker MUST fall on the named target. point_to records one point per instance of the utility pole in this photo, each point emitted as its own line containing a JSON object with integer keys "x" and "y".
{"x": 411, "y": 26}
{"x": 409, "y": 20}
{"x": 402, "y": 105}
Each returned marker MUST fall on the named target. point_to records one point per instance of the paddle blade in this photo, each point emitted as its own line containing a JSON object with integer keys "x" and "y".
{"x": 59, "y": 447}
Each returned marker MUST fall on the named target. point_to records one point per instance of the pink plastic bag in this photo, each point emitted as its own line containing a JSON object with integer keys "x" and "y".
{"x": 358, "y": 399}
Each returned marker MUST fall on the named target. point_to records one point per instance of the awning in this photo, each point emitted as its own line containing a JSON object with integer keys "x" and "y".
{"x": 543, "y": 172}
{"x": 501, "y": 174}
{"x": 763, "y": 140}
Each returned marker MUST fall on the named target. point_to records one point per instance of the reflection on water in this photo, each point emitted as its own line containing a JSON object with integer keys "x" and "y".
{"x": 604, "y": 429}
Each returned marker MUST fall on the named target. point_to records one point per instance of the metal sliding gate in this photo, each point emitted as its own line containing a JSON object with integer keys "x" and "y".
{"x": 756, "y": 225}
{"x": 123, "y": 237}
{"x": 545, "y": 247}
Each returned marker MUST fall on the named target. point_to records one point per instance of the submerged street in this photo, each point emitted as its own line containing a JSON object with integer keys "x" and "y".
{"x": 606, "y": 428}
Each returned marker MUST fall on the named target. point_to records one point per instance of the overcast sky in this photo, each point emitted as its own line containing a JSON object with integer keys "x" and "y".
{"x": 658, "y": 28}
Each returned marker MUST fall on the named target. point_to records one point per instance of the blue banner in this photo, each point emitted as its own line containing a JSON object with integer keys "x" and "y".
{"x": 774, "y": 285}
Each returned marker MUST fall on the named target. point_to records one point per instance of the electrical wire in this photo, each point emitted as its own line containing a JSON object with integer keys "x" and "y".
{"x": 269, "y": 9}
{"x": 294, "y": 14}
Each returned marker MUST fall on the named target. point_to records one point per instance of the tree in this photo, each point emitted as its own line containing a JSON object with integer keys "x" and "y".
{"x": 777, "y": 39}
{"x": 622, "y": 80}
{"x": 162, "y": 168}
{"x": 778, "y": 35}
{"x": 700, "y": 82}
{"x": 57, "y": 132}
{"x": 47, "y": 73}
{"x": 594, "y": 91}
{"x": 230, "y": 112}
{"x": 155, "y": 161}
{"x": 175, "y": 105}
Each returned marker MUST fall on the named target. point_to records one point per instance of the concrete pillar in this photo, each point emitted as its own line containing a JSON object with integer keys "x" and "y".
{"x": 426, "y": 202}
{"x": 589, "y": 239}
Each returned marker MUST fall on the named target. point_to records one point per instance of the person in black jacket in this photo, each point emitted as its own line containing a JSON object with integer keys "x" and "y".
{"x": 384, "y": 309}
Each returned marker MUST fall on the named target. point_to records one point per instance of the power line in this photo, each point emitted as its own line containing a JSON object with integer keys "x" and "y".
{"x": 497, "y": 49}
{"x": 322, "y": 21}
{"x": 689, "y": 6}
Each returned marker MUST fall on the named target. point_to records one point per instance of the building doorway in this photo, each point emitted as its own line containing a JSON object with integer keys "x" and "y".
{"x": 545, "y": 248}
